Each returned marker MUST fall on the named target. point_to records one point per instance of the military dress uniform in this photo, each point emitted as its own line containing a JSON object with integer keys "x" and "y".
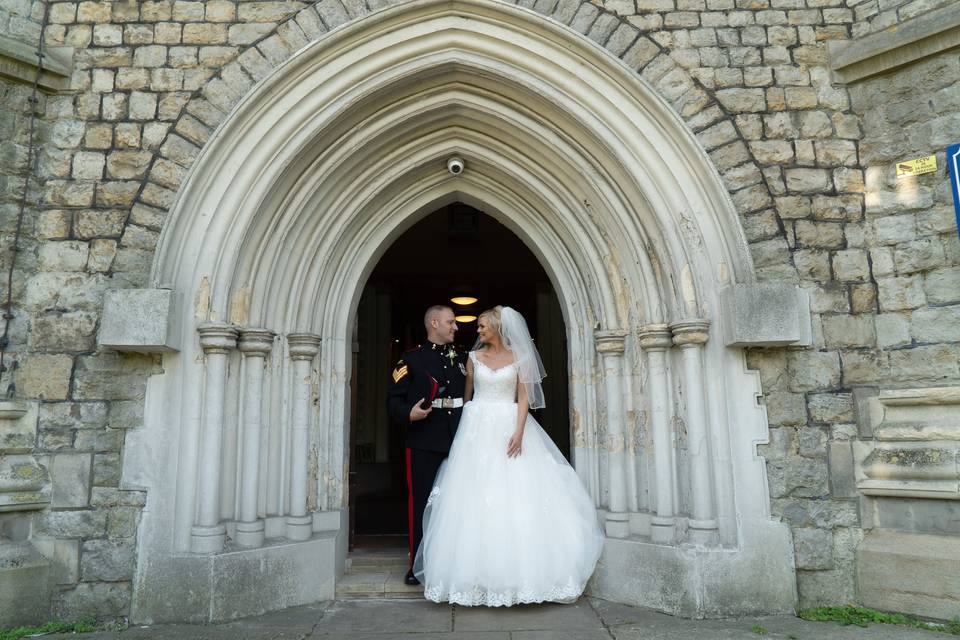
{"x": 438, "y": 374}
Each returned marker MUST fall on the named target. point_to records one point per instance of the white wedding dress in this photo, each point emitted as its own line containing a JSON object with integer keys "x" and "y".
{"x": 500, "y": 531}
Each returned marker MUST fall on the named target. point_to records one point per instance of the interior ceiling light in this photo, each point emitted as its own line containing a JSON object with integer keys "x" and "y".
{"x": 463, "y": 300}
{"x": 466, "y": 319}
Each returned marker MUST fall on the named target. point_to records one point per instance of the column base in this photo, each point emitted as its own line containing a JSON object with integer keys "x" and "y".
{"x": 205, "y": 539}
{"x": 250, "y": 534}
{"x": 663, "y": 530}
{"x": 703, "y": 532}
{"x": 617, "y": 525}
{"x": 299, "y": 527}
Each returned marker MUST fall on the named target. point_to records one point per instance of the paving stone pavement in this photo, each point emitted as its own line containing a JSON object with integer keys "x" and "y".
{"x": 587, "y": 619}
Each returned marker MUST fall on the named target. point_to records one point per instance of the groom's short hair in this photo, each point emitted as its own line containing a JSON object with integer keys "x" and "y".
{"x": 433, "y": 312}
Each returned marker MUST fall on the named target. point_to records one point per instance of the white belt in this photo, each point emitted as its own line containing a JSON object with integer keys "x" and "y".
{"x": 447, "y": 403}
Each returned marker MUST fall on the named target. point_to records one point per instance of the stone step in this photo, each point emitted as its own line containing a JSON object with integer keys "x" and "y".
{"x": 376, "y": 584}
{"x": 377, "y": 560}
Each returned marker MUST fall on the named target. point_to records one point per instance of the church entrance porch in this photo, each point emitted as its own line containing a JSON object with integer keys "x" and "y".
{"x": 246, "y": 449}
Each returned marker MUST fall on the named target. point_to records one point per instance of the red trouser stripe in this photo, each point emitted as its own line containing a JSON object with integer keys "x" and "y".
{"x": 410, "y": 508}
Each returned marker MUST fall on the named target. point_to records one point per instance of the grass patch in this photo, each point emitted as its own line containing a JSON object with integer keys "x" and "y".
{"x": 84, "y": 625}
{"x": 862, "y": 616}
{"x": 757, "y": 629}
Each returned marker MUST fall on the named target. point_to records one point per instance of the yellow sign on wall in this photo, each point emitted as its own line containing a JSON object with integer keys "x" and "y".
{"x": 917, "y": 167}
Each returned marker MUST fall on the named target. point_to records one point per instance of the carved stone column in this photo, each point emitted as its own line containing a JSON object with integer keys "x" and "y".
{"x": 655, "y": 339}
{"x": 208, "y": 532}
{"x": 303, "y": 348}
{"x": 690, "y": 336}
{"x": 610, "y": 346}
{"x": 255, "y": 344}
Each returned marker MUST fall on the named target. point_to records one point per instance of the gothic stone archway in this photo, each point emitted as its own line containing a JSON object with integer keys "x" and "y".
{"x": 313, "y": 174}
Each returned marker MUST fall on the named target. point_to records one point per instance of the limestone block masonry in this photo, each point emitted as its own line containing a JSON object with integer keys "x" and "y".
{"x": 656, "y": 153}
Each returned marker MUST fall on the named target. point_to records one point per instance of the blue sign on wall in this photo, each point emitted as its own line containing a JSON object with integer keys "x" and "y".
{"x": 953, "y": 168}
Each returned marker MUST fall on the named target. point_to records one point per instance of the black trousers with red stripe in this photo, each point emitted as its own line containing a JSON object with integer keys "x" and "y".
{"x": 422, "y": 467}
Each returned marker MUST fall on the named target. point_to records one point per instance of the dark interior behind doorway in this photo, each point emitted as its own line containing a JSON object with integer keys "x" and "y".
{"x": 455, "y": 251}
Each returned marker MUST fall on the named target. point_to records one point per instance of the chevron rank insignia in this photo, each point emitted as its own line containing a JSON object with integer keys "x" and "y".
{"x": 400, "y": 371}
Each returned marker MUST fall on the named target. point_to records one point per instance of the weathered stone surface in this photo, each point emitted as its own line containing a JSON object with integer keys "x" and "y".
{"x": 73, "y": 415}
{"x": 24, "y": 579}
{"x": 933, "y": 362}
{"x": 942, "y": 286}
{"x": 842, "y": 477}
{"x": 54, "y": 224}
{"x": 116, "y": 193}
{"x": 813, "y": 370}
{"x": 830, "y": 407}
{"x": 70, "y": 474}
{"x": 814, "y": 548}
{"x": 938, "y": 324}
{"x": 863, "y": 298}
{"x": 64, "y": 556}
{"x": 899, "y": 293}
{"x": 112, "y": 376}
{"x": 797, "y": 477}
{"x": 46, "y": 377}
{"x": 107, "y": 560}
{"x": 909, "y": 571}
{"x": 861, "y": 366}
{"x": 267, "y": 11}
{"x": 849, "y": 331}
{"x": 851, "y": 265}
{"x": 893, "y": 330}
{"x": 73, "y": 524}
{"x": 125, "y": 326}
{"x": 807, "y": 180}
{"x": 106, "y": 600}
{"x": 68, "y": 255}
{"x": 752, "y": 319}
{"x": 125, "y": 165}
{"x": 785, "y": 408}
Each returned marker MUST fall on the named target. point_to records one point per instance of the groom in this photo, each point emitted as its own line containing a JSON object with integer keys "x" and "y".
{"x": 427, "y": 397}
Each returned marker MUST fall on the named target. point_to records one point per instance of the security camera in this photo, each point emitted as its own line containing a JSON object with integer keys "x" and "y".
{"x": 455, "y": 166}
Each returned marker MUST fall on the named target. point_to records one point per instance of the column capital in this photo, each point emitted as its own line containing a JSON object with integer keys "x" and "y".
{"x": 610, "y": 341}
{"x": 654, "y": 337}
{"x": 691, "y": 332}
{"x": 217, "y": 338}
{"x": 303, "y": 346}
{"x": 256, "y": 341}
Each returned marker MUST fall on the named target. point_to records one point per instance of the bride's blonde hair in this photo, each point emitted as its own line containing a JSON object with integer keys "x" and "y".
{"x": 492, "y": 316}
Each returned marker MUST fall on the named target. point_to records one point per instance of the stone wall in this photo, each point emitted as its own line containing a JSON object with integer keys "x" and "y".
{"x": 808, "y": 165}
{"x": 873, "y": 16}
{"x": 22, "y": 19}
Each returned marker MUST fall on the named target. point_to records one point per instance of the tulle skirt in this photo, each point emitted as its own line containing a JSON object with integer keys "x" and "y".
{"x": 500, "y": 531}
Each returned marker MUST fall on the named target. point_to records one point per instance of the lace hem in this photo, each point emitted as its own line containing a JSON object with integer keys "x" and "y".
{"x": 481, "y": 596}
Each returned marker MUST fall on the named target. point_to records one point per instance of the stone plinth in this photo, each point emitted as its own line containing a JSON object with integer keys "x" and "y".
{"x": 916, "y": 572}
{"x": 139, "y": 320}
{"x": 765, "y": 315}
{"x": 238, "y": 582}
{"x": 25, "y": 585}
{"x": 701, "y": 582}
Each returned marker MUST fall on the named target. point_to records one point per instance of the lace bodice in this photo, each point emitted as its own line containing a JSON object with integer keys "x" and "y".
{"x": 493, "y": 385}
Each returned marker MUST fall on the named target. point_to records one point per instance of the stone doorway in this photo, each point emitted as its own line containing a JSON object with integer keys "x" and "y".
{"x": 456, "y": 250}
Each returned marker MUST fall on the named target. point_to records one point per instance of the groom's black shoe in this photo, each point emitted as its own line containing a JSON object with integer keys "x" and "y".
{"x": 411, "y": 579}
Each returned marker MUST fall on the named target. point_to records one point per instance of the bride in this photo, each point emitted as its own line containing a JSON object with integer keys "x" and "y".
{"x": 508, "y": 520}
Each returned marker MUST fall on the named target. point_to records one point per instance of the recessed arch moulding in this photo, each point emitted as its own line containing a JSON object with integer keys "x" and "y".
{"x": 287, "y": 210}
